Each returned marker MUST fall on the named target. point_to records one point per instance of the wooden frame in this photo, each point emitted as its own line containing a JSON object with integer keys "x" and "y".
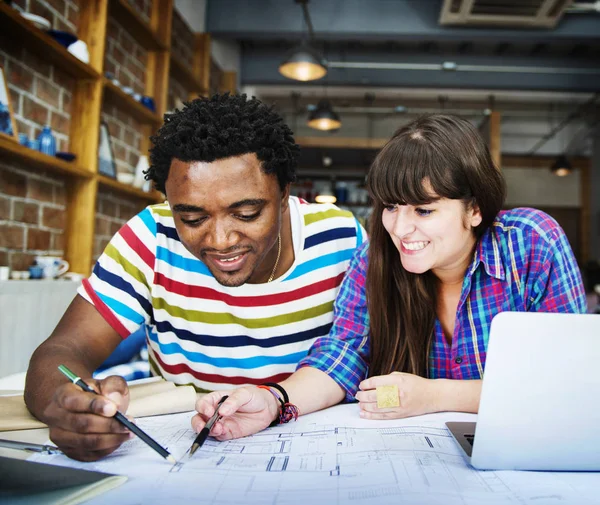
{"x": 107, "y": 165}
{"x": 8, "y": 126}
{"x": 83, "y": 178}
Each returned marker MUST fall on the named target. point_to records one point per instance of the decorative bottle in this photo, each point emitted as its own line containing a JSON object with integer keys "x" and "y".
{"x": 47, "y": 141}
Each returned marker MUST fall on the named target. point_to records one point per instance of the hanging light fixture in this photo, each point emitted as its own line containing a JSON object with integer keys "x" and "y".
{"x": 304, "y": 63}
{"x": 323, "y": 117}
{"x": 561, "y": 166}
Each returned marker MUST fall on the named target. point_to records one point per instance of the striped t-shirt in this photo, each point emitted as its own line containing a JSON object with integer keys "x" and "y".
{"x": 214, "y": 336}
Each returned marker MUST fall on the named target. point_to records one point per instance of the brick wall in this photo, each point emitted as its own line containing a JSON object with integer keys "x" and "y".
{"x": 143, "y": 8}
{"x": 182, "y": 40}
{"x": 111, "y": 213}
{"x": 33, "y": 203}
{"x": 182, "y": 47}
{"x": 177, "y": 92}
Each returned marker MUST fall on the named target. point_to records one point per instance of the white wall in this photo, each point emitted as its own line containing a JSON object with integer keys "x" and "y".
{"x": 536, "y": 187}
{"x": 194, "y": 12}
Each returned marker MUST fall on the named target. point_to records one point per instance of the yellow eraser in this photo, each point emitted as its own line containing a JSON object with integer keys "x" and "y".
{"x": 387, "y": 397}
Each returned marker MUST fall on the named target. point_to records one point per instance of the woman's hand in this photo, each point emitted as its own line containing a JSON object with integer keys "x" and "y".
{"x": 416, "y": 395}
{"x": 248, "y": 410}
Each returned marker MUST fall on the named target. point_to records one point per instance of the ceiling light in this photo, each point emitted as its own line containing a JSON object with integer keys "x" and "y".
{"x": 303, "y": 64}
{"x": 324, "y": 117}
{"x": 326, "y": 196}
{"x": 561, "y": 166}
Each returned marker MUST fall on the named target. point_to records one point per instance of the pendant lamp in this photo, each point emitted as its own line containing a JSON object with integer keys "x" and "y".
{"x": 324, "y": 117}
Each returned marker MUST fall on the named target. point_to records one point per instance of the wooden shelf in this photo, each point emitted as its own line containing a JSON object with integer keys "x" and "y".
{"x": 183, "y": 75}
{"x": 152, "y": 196}
{"x": 124, "y": 101}
{"x": 34, "y": 39}
{"x": 10, "y": 149}
{"x": 135, "y": 25}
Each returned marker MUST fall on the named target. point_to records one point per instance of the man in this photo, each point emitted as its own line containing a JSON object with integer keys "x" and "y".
{"x": 233, "y": 277}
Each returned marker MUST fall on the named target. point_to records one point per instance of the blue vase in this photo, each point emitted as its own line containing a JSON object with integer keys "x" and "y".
{"x": 47, "y": 141}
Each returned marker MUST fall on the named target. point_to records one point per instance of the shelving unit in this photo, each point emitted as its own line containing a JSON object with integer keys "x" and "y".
{"x": 82, "y": 180}
{"x": 127, "y": 103}
{"x": 126, "y": 189}
{"x": 36, "y": 159}
{"x": 38, "y": 41}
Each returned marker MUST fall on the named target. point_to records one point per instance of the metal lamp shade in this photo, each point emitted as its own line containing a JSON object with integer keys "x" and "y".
{"x": 324, "y": 117}
{"x": 303, "y": 64}
{"x": 561, "y": 166}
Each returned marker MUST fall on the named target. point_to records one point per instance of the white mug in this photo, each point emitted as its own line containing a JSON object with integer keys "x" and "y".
{"x": 53, "y": 266}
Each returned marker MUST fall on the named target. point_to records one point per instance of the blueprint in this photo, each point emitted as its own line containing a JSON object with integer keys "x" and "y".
{"x": 330, "y": 457}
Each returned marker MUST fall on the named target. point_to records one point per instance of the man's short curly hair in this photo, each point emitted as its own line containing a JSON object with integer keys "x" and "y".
{"x": 209, "y": 129}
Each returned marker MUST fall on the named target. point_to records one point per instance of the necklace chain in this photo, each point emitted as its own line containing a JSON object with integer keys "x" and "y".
{"x": 277, "y": 260}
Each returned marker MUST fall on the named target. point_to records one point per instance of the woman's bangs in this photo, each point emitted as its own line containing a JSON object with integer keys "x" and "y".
{"x": 401, "y": 172}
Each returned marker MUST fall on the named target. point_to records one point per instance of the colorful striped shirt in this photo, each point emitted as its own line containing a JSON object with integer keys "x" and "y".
{"x": 523, "y": 262}
{"x": 214, "y": 336}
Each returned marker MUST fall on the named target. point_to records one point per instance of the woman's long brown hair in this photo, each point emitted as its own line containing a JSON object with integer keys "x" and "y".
{"x": 440, "y": 152}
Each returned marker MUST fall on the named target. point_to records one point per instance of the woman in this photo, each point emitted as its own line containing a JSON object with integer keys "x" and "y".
{"x": 415, "y": 308}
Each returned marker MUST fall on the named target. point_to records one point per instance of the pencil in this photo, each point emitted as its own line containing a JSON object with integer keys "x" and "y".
{"x": 121, "y": 418}
{"x": 203, "y": 435}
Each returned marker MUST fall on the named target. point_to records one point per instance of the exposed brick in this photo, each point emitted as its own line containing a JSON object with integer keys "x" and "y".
{"x": 40, "y": 190}
{"x": 12, "y": 237}
{"x": 102, "y": 226}
{"x": 4, "y": 208}
{"x": 21, "y": 3}
{"x": 38, "y": 240}
{"x": 48, "y": 92}
{"x": 36, "y": 63}
{"x": 66, "y": 100}
{"x": 26, "y": 212}
{"x": 110, "y": 208}
{"x": 21, "y": 261}
{"x": 58, "y": 242}
{"x": 60, "y": 195}
{"x": 115, "y": 226}
{"x": 73, "y": 16}
{"x": 62, "y": 79}
{"x": 59, "y": 24}
{"x": 53, "y": 217}
{"x": 15, "y": 100}
{"x": 41, "y": 9}
{"x": 20, "y": 76}
{"x": 126, "y": 79}
{"x": 129, "y": 138}
{"x": 119, "y": 152}
{"x": 23, "y": 127}
{"x": 60, "y": 6}
{"x": 60, "y": 123}
{"x": 12, "y": 183}
{"x": 4, "y": 259}
{"x": 114, "y": 128}
{"x": 35, "y": 111}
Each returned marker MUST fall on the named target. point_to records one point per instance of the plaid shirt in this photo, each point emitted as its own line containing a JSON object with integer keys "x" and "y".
{"x": 523, "y": 262}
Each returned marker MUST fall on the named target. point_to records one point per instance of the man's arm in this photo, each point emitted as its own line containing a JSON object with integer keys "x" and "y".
{"x": 80, "y": 423}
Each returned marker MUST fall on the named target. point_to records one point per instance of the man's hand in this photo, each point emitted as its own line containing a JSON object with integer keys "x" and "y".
{"x": 248, "y": 410}
{"x": 417, "y": 396}
{"x": 81, "y": 424}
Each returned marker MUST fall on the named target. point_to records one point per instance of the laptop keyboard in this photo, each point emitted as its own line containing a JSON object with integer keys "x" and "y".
{"x": 470, "y": 439}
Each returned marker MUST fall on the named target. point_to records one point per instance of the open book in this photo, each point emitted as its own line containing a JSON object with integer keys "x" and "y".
{"x": 25, "y": 482}
{"x": 147, "y": 399}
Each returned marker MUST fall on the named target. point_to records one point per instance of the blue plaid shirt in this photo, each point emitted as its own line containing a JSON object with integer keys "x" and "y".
{"x": 523, "y": 262}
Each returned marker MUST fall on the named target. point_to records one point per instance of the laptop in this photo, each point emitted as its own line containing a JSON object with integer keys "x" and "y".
{"x": 540, "y": 400}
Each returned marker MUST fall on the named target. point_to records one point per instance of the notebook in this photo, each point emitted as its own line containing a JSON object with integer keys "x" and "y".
{"x": 24, "y": 482}
{"x": 538, "y": 407}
